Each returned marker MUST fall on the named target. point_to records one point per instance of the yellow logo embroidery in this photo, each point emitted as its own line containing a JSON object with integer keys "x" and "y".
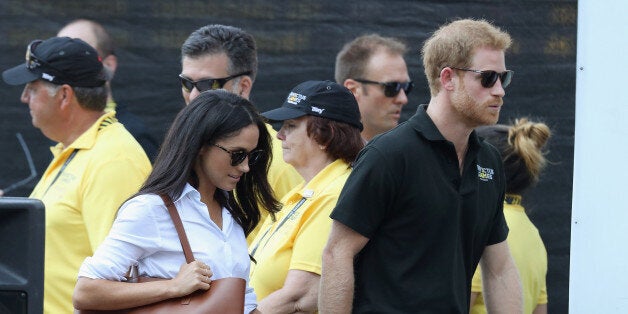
{"x": 295, "y": 98}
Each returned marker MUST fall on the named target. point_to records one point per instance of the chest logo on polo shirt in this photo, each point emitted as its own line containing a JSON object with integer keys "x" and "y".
{"x": 485, "y": 174}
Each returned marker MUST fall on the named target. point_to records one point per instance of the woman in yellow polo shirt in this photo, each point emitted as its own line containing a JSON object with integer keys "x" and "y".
{"x": 320, "y": 137}
{"x": 521, "y": 147}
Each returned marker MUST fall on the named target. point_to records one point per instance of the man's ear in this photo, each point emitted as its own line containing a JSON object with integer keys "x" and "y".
{"x": 111, "y": 63}
{"x": 446, "y": 79}
{"x": 65, "y": 96}
{"x": 245, "y": 85}
{"x": 353, "y": 86}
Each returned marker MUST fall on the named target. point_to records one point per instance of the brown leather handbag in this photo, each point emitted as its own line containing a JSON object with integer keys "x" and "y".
{"x": 226, "y": 295}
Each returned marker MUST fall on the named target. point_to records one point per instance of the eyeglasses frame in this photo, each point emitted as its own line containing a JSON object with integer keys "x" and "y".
{"x": 216, "y": 83}
{"x": 501, "y": 76}
{"x": 235, "y": 162}
{"x": 397, "y": 86}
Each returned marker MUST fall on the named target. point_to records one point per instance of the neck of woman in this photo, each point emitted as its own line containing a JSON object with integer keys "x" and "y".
{"x": 315, "y": 165}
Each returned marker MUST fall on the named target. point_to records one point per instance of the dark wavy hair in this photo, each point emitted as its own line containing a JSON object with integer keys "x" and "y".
{"x": 212, "y": 116}
{"x": 341, "y": 140}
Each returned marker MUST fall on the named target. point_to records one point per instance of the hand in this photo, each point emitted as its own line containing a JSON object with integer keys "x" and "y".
{"x": 192, "y": 277}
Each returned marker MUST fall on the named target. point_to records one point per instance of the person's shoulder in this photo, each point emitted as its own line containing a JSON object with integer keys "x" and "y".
{"x": 488, "y": 150}
{"x": 117, "y": 138}
{"x": 396, "y": 140}
{"x": 141, "y": 205}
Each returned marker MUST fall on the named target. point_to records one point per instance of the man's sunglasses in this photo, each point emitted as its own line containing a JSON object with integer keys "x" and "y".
{"x": 207, "y": 84}
{"x": 391, "y": 89}
{"x": 489, "y": 77}
{"x": 239, "y": 156}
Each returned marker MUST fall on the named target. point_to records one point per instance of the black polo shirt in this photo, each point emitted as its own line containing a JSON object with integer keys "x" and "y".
{"x": 427, "y": 225}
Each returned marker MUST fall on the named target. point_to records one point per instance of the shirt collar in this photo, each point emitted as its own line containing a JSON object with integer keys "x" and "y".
{"x": 111, "y": 106}
{"x": 423, "y": 124}
{"x": 88, "y": 138}
{"x": 322, "y": 179}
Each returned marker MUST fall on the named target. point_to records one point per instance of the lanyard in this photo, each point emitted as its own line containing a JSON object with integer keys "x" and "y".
{"x": 65, "y": 164}
{"x": 294, "y": 209}
{"x": 104, "y": 123}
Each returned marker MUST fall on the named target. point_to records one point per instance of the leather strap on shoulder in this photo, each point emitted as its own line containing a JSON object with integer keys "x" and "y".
{"x": 176, "y": 219}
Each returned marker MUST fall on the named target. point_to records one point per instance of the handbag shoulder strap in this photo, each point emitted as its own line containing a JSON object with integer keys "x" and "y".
{"x": 176, "y": 219}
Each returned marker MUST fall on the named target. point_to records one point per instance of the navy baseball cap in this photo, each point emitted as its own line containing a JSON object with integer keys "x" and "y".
{"x": 324, "y": 99}
{"x": 59, "y": 60}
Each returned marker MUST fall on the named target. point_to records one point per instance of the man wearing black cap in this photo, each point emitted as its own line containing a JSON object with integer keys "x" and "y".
{"x": 96, "y": 166}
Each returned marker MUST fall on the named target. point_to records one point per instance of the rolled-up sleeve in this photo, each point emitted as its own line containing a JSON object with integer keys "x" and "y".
{"x": 250, "y": 299}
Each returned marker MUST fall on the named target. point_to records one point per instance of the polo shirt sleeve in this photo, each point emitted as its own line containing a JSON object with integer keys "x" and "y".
{"x": 107, "y": 185}
{"x": 366, "y": 196}
{"x": 543, "y": 296}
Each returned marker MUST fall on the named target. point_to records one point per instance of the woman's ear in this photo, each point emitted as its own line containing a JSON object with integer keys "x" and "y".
{"x": 203, "y": 150}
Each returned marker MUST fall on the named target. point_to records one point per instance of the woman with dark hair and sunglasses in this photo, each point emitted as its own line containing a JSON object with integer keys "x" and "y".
{"x": 521, "y": 147}
{"x": 217, "y": 144}
{"x": 321, "y": 138}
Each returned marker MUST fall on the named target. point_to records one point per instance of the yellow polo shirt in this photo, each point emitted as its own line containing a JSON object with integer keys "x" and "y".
{"x": 528, "y": 251}
{"x": 295, "y": 240}
{"x": 82, "y": 189}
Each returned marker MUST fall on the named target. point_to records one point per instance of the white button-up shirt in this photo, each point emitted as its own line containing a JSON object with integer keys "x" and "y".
{"x": 144, "y": 234}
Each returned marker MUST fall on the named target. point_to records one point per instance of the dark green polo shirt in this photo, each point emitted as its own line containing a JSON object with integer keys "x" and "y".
{"x": 427, "y": 225}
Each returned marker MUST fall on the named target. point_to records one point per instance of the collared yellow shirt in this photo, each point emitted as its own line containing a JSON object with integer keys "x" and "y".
{"x": 107, "y": 167}
{"x": 295, "y": 240}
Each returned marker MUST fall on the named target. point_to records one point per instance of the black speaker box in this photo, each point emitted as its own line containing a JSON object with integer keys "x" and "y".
{"x": 22, "y": 234}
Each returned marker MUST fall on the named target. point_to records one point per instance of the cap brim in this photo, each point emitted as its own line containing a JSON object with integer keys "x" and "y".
{"x": 19, "y": 75}
{"x": 283, "y": 113}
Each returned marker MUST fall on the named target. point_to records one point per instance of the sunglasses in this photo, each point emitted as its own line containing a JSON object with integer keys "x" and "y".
{"x": 391, "y": 89}
{"x": 239, "y": 156}
{"x": 207, "y": 84}
{"x": 489, "y": 78}
{"x": 32, "y": 61}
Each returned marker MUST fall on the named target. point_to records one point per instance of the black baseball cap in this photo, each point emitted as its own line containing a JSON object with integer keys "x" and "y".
{"x": 59, "y": 60}
{"x": 325, "y": 99}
